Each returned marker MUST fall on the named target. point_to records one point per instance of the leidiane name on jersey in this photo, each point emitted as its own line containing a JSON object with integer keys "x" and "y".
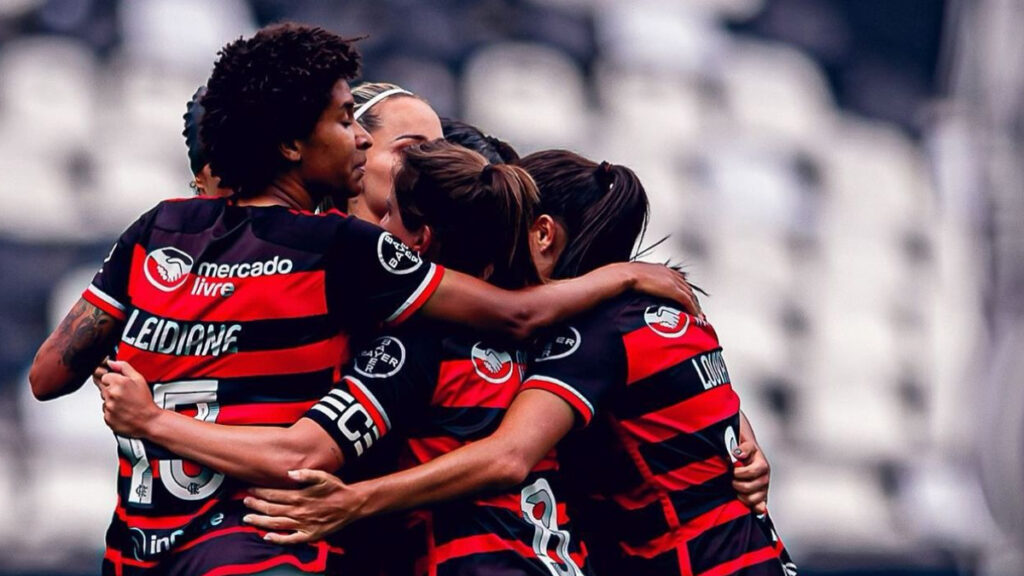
{"x": 164, "y": 336}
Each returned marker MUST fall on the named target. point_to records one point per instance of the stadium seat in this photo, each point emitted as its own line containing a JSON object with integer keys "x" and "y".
{"x": 39, "y": 200}
{"x": 183, "y": 34}
{"x": 424, "y": 77}
{"x": 529, "y": 94}
{"x": 775, "y": 91}
{"x": 650, "y": 35}
{"x": 830, "y": 505}
{"x": 144, "y": 117}
{"x": 648, "y": 113}
{"x": 48, "y": 94}
{"x": 128, "y": 189}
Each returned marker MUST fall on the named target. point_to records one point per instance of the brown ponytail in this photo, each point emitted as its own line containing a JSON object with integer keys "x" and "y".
{"x": 480, "y": 213}
{"x": 603, "y": 208}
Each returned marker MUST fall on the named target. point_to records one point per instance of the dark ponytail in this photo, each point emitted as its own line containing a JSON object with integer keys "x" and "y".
{"x": 480, "y": 213}
{"x": 603, "y": 208}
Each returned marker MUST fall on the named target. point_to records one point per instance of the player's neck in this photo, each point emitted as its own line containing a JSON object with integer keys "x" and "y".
{"x": 285, "y": 191}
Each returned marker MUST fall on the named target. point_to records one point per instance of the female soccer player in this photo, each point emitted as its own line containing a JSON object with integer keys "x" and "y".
{"x": 438, "y": 386}
{"x": 644, "y": 380}
{"x": 242, "y": 307}
{"x": 396, "y": 119}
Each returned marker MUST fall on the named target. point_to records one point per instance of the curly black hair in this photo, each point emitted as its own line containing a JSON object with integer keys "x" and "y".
{"x": 267, "y": 90}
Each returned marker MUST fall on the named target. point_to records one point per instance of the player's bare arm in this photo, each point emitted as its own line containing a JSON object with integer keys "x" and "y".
{"x": 467, "y": 300}
{"x": 752, "y": 472}
{"x": 73, "y": 350}
{"x": 257, "y": 454}
{"x": 534, "y": 424}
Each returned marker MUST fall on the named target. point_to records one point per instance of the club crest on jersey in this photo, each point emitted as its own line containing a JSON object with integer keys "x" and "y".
{"x": 167, "y": 268}
{"x": 381, "y": 360}
{"x": 561, "y": 344}
{"x": 666, "y": 321}
{"x": 395, "y": 256}
{"x": 494, "y": 366}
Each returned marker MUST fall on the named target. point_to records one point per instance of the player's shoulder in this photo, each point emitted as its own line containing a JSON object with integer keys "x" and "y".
{"x": 186, "y": 214}
{"x": 642, "y": 312}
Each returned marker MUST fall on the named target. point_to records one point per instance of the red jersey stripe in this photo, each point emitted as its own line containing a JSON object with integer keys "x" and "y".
{"x": 513, "y": 503}
{"x": 201, "y": 297}
{"x": 426, "y": 449}
{"x": 268, "y": 413}
{"x": 105, "y": 302}
{"x": 370, "y": 404}
{"x": 459, "y": 386}
{"x": 692, "y": 474}
{"x": 479, "y": 544}
{"x": 419, "y": 297}
{"x": 301, "y": 359}
{"x": 744, "y": 561}
{"x": 563, "y": 391}
{"x": 689, "y": 416}
{"x": 648, "y": 353}
{"x": 679, "y": 536}
{"x": 158, "y": 522}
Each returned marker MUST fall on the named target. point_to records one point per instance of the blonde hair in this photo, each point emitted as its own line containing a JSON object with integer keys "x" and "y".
{"x": 368, "y": 94}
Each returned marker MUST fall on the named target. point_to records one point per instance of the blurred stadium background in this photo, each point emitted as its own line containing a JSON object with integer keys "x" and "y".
{"x": 844, "y": 178}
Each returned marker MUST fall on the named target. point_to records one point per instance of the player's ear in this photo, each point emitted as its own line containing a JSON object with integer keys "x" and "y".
{"x": 423, "y": 240}
{"x": 291, "y": 150}
{"x": 543, "y": 233}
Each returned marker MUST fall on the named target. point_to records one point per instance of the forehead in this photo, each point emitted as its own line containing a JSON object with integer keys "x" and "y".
{"x": 341, "y": 94}
{"x": 406, "y": 115}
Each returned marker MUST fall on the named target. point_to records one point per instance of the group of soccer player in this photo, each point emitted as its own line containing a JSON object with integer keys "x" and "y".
{"x": 471, "y": 349}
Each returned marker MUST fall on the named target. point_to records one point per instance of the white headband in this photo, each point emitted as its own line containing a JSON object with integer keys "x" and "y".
{"x": 369, "y": 103}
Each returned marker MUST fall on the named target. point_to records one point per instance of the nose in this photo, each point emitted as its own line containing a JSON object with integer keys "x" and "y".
{"x": 363, "y": 138}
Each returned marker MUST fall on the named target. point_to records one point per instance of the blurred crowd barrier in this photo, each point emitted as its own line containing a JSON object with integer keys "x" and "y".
{"x": 849, "y": 198}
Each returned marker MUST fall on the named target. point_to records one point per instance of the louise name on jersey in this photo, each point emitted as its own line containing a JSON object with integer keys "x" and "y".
{"x": 164, "y": 336}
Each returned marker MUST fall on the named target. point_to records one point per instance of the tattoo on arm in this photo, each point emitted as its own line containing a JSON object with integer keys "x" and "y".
{"x": 85, "y": 337}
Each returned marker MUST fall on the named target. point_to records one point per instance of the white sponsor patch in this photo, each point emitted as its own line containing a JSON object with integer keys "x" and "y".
{"x": 383, "y": 359}
{"x": 666, "y": 321}
{"x": 494, "y": 366}
{"x": 167, "y": 268}
{"x": 561, "y": 344}
{"x": 395, "y": 256}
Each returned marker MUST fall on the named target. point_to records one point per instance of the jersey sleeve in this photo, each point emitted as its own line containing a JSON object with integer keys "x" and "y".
{"x": 108, "y": 290}
{"x": 387, "y": 384}
{"x": 373, "y": 277}
{"x": 581, "y": 363}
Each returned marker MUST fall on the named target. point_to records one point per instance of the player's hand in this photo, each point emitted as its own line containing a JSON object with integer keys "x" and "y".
{"x": 127, "y": 400}
{"x": 324, "y": 505}
{"x": 751, "y": 476}
{"x": 664, "y": 282}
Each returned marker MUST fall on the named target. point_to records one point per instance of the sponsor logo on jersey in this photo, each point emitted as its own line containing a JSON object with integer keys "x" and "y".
{"x": 165, "y": 336}
{"x": 561, "y": 344}
{"x": 494, "y": 366}
{"x": 167, "y": 268}
{"x": 381, "y": 360}
{"x": 148, "y": 545}
{"x": 666, "y": 321}
{"x": 395, "y": 256}
{"x": 275, "y": 265}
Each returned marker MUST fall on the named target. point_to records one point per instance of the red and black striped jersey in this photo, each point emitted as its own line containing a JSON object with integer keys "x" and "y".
{"x": 655, "y": 467}
{"x": 440, "y": 389}
{"x": 237, "y": 315}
